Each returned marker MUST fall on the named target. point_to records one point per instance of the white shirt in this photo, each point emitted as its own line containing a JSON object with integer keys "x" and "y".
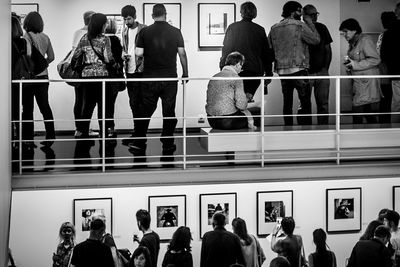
{"x": 131, "y": 64}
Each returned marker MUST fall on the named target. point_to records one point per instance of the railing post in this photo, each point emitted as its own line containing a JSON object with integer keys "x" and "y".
{"x": 184, "y": 123}
{"x": 20, "y": 128}
{"x": 337, "y": 119}
{"x": 262, "y": 123}
{"x": 103, "y": 125}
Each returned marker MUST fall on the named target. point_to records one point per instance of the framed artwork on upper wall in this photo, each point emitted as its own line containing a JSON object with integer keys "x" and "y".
{"x": 396, "y": 198}
{"x": 119, "y": 23}
{"x": 213, "y": 203}
{"x": 343, "y": 210}
{"x": 271, "y": 206}
{"x": 213, "y": 21}
{"x": 22, "y": 9}
{"x": 88, "y": 209}
{"x": 167, "y": 213}
{"x": 174, "y": 13}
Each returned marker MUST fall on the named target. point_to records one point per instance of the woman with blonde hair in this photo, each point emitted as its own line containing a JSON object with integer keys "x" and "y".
{"x": 67, "y": 243}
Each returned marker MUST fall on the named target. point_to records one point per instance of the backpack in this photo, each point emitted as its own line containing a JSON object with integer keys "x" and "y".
{"x": 23, "y": 68}
{"x": 40, "y": 63}
{"x": 123, "y": 255}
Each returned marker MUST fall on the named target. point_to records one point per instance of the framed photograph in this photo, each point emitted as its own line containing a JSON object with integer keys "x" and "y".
{"x": 174, "y": 12}
{"x": 213, "y": 20}
{"x": 396, "y": 198}
{"x": 213, "y": 203}
{"x": 167, "y": 214}
{"x": 88, "y": 209}
{"x": 271, "y": 206}
{"x": 343, "y": 210}
{"x": 22, "y": 9}
{"x": 119, "y": 20}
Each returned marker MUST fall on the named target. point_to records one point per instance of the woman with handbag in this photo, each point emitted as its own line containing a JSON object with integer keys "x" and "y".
{"x": 92, "y": 55}
{"x": 41, "y": 51}
{"x": 252, "y": 252}
{"x": 321, "y": 257}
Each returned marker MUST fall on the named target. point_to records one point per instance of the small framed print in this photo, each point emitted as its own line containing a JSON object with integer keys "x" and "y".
{"x": 213, "y": 21}
{"x": 88, "y": 209}
{"x": 174, "y": 12}
{"x": 396, "y": 198}
{"x": 343, "y": 210}
{"x": 23, "y": 9}
{"x": 271, "y": 206}
{"x": 167, "y": 213}
{"x": 119, "y": 23}
{"x": 213, "y": 203}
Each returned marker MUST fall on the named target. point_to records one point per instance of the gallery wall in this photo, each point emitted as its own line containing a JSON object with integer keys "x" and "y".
{"x": 37, "y": 215}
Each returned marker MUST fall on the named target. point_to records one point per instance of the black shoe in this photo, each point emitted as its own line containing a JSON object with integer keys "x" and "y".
{"x": 127, "y": 141}
{"x": 169, "y": 151}
{"x": 137, "y": 150}
{"x": 47, "y": 143}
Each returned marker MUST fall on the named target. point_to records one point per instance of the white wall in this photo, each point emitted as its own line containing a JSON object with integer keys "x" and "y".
{"x": 37, "y": 215}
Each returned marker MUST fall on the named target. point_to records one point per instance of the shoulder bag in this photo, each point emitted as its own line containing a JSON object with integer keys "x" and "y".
{"x": 260, "y": 254}
{"x": 23, "y": 68}
{"x": 67, "y": 71}
{"x": 40, "y": 63}
{"x": 123, "y": 255}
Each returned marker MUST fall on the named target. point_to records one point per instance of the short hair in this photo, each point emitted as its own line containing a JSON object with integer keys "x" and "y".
{"x": 388, "y": 19}
{"x": 97, "y": 225}
{"x": 16, "y": 30}
{"x": 290, "y": 7}
{"x": 382, "y": 232}
{"x": 86, "y": 17}
{"x": 351, "y": 25}
{"x": 219, "y": 219}
{"x": 393, "y": 216}
{"x": 234, "y": 58}
{"x": 128, "y": 10}
{"x": 181, "y": 239}
{"x": 288, "y": 225}
{"x": 96, "y": 24}
{"x": 279, "y": 261}
{"x": 143, "y": 217}
{"x": 33, "y": 22}
{"x": 145, "y": 251}
{"x": 248, "y": 10}
{"x": 159, "y": 10}
{"x": 111, "y": 26}
{"x": 369, "y": 231}
{"x": 308, "y": 7}
{"x": 382, "y": 213}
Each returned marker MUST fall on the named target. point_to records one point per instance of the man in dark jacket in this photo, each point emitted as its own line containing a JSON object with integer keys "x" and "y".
{"x": 219, "y": 247}
{"x": 373, "y": 252}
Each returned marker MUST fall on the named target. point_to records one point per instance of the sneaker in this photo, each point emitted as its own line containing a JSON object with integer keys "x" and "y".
{"x": 111, "y": 133}
{"x": 93, "y": 133}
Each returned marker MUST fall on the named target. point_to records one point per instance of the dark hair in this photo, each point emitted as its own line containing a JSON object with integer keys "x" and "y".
{"x": 382, "y": 232}
{"x": 111, "y": 26}
{"x": 392, "y": 216}
{"x": 87, "y": 16}
{"x": 219, "y": 219}
{"x": 234, "y": 58}
{"x": 159, "y": 10}
{"x": 96, "y": 24}
{"x": 279, "y": 261}
{"x": 388, "y": 19}
{"x": 16, "y": 30}
{"x": 288, "y": 225}
{"x": 319, "y": 238}
{"x": 143, "y": 217}
{"x": 97, "y": 225}
{"x": 351, "y": 25}
{"x": 181, "y": 239}
{"x": 142, "y": 250}
{"x": 290, "y": 7}
{"x": 381, "y": 214}
{"x": 33, "y": 22}
{"x": 240, "y": 229}
{"x": 248, "y": 10}
{"x": 369, "y": 231}
{"x": 128, "y": 10}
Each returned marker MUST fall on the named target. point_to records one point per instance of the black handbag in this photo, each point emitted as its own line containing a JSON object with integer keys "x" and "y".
{"x": 68, "y": 71}
{"x": 23, "y": 68}
{"x": 40, "y": 63}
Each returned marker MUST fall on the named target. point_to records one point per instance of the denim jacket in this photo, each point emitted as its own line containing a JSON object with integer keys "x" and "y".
{"x": 290, "y": 39}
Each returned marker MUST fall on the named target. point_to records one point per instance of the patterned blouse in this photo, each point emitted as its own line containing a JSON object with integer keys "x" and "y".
{"x": 94, "y": 66}
{"x": 61, "y": 259}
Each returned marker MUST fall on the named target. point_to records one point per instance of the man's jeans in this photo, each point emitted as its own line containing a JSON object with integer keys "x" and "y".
{"x": 134, "y": 95}
{"x": 321, "y": 94}
{"x": 304, "y": 93}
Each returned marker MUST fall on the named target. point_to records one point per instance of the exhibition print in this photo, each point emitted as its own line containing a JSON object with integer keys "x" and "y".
{"x": 396, "y": 198}
{"x": 216, "y": 203}
{"x": 168, "y": 213}
{"x": 343, "y": 210}
{"x": 271, "y": 207}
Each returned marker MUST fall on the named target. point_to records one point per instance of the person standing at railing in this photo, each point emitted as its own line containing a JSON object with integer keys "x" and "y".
{"x": 362, "y": 59}
{"x": 290, "y": 39}
{"x": 159, "y": 43}
{"x": 320, "y": 60}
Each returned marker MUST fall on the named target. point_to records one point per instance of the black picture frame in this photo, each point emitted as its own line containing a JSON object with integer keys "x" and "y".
{"x": 22, "y": 9}
{"x": 343, "y": 210}
{"x": 174, "y": 13}
{"x": 396, "y": 198}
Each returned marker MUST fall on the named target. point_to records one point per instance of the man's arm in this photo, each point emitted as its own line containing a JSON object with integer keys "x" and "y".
{"x": 139, "y": 51}
{"x": 328, "y": 58}
{"x": 309, "y": 33}
{"x": 183, "y": 59}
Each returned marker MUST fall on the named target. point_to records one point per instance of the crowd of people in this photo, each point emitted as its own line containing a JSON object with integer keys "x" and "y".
{"x": 298, "y": 45}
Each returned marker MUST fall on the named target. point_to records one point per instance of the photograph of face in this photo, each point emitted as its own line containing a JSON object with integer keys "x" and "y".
{"x": 88, "y": 215}
{"x": 218, "y": 207}
{"x": 167, "y": 216}
{"x": 274, "y": 210}
{"x": 344, "y": 208}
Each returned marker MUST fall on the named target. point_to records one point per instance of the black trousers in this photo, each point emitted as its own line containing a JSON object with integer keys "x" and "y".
{"x": 250, "y": 86}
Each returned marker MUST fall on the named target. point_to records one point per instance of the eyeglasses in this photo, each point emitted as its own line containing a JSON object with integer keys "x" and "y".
{"x": 314, "y": 14}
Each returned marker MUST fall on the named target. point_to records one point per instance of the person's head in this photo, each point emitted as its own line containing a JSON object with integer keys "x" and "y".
{"x": 391, "y": 219}
{"x": 350, "y": 28}
{"x": 33, "y": 22}
{"x": 181, "y": 239}
{"x": 159, "y": 11}
{"x": 381, "y": 214}
{"x": 218, "y": 220}
{"x": 67, "y": 232}
{"x": 369, "y": 231}
{"x": 319, "y": 238}
{"x": 111, "y": 27}
{"x": 288, "y": 225}
{"x": 141, "y": 257}
{"x": 248, "y": 10}
{"x": 279, "y": 261}
{"x": 311, "y": 11}
{"x": 388, "y": 19}
{"x": 128, "y": 12}
{"x": 382, "y": 233}
{"x": 16, "y": 30}
{"x": 86, "y": 17}
{"x": 97, "y": 228}
{"x": 292, "y": 9}
{"x": 236, "y": 60}
{"x": 96, "y": 25}
{"x": 143, "y": 219}
{"x": 397, "y": 10}
{"x": 239, "y": 228}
